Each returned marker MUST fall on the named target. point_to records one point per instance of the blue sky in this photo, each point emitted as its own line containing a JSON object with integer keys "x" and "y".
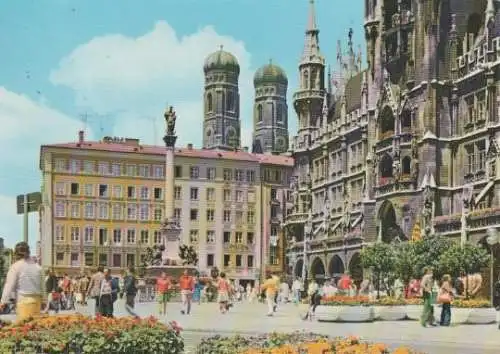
{"x": 121, "y": 62}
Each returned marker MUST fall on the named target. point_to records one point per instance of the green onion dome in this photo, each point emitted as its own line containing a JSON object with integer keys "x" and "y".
{"x": 270, "y": 74}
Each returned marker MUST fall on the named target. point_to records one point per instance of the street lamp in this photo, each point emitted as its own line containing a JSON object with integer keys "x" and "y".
{"x": 307, "y": 235}
{"x": 492, "y": 239}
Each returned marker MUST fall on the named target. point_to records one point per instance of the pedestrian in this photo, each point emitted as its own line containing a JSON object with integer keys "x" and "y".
{"x": 198, "y": 287}
{"x": 444, "y": 298}
{"x": 277, "y": 281}
{"x": 51, "y": 285}
{"x": 83, "y": 286}
{"x": 314, "y": 299}
{"x": 271, "y": 290}
{"x": 426, "y": 284}
{"x": 106, "y": 295}
{"x": 163, "y": 285}
{"x": 186, "y": 284}
{"x": 94, "y": 288}
{"x": 296, "y": 290}
{"x": 223, "y": 289}
{"x": 130, "y": 290}
{"x": 25, "y": 279}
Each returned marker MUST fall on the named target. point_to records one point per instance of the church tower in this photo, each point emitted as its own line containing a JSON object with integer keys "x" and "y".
{"x": 270, "y": 123}
{"x": 308, "y": 99}
{"x": 221, "y": 124}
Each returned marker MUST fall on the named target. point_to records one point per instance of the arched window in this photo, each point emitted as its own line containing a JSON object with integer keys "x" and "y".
{"x": 230, "y": 101}
{"x": 314, "y": 74}
{"x": 386, "y": 123}
{"x": 209, "y": 136}
{"x": 279, "y": 112}
{"x": 406, "y": 165}
{"x": 306, "y": 80}
{"x": 210, "y": 102}
{"x": 386, "y": 166}
{"x": 259, "y": 113}
{"x": 474, "y": 23}
{"x": 406, "y": 120}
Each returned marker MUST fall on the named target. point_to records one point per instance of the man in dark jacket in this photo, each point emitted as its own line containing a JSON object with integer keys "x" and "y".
{"x": 130, "y": 289}
{"x": 51, "y": 286}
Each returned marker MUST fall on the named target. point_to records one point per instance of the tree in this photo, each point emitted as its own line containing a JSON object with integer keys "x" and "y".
{"x": 188, "y": 255}
{"x": 3, "y": 271}
{"x": 378, "y": 257}
{"x": 428, "y": 250}
{"x": 404, "y": 262}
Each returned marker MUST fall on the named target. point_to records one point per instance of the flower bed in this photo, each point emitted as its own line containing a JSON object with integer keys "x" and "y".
{"x": 80, "y": 334}
{"x": 292, "y": 343}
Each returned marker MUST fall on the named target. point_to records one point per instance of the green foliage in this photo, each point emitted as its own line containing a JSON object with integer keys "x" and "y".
{"x": 3, "y": 270}
{"x": 404, "y": 261}
{"x": 428, "y": 250}
{"x": 379, "y": 257}
{"x": 188, "y": 255}
{"x": 468, "y": 259}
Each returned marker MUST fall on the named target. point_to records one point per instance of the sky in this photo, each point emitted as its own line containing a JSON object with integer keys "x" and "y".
{"x": 111, "y": 67}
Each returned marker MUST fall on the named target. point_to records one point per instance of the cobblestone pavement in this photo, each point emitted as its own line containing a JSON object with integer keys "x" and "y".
{"x": 205, "y": 320}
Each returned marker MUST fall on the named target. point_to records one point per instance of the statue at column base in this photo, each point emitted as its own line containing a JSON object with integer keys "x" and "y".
{"x": 171, "y": 231}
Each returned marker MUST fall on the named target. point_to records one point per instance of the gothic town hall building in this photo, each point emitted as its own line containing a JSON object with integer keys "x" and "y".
{"x": 407, "y": 146}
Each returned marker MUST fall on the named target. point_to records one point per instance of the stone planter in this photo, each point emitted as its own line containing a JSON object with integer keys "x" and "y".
{"x": 390, "y": 313}
{"x": 481, "y": 316}
{"x": 327, "y": 313}
{"x": 413, "y": 312}
{"x": 458, "y": 315}
{"x": 356, "y": 314}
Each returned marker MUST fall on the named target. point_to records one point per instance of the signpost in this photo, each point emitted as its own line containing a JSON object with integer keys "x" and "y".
{"x": 28, "y": 203}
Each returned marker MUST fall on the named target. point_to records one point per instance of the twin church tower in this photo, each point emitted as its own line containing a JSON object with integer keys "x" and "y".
{"x": 222, "y": 124}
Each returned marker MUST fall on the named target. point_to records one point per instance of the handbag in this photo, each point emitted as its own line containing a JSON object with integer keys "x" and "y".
{"x": 444, "y": 298}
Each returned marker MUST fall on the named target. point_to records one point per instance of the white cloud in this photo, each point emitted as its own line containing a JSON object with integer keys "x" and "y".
{"x": 135, "y": 78}
{"x": 24, "y": 126}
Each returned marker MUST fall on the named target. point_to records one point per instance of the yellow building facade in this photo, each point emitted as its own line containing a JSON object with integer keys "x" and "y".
{"x": 103, "y": 203}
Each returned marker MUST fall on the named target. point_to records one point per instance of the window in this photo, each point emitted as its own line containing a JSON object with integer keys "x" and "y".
{"x": 75, "y": 259}
{"x": 227, "y": 260}
{"x": 238, "y": 175}
{"x": 60, "y": 188}
{"x": 144, "y": 193}
{"x": 177, "y": 214}
{"x": 144, "y": 212}
{"x": 131, "y": 170}
{"x": 194, "y": 193}
{"x": 144, "y": 237}
{"x": 61, "y": 165}
{"x": 59, "y": 258}
{"x": 158, "y": 214}
{"x": 238, "y": 260}
{"x": 273, "y": 255}
{"x": 131, "y": 192}
{"x": 239, "y": 196}
{"x": 117, "y": 260}
{"x": 193, "y": 236}
{"x": 227, "y": 195}
{"x": 210, "y": 236}
{"x": 117, "y": 192}
{"x": 250, "y": 176}
{"x": 274, "y": 194}
{"x": 250, "y": 217}
{"x": 210, "y": 260}
{"x": 211, "y": 173}
{"x": 227, "y": 237}
{"x": 227, "y": 215}
{"x": 103, "y": 259}
{"x": 250, "y": 238}
{"x": 131, "y": 236}
{"x": 103, "y": 236}
{"x": 131, "y": 212}
{"x": 194, "y": 215}
{"x": 158, "y": 193}
{"x": 144, "y": 170}
{"x": 88, "y": 167}
{"x": 194, "y": 172}
{"x": 89, "y": 210}
{"x": 117, "y": 236}
{"x": 228, "y": 174}
{"x": 116, "y": 169}
{"x": 157, "y": 239}
{"x": 239, "y": 237}
{"x": 60, "y": 209}
{"x": 88, "y": 259}
{"x": 130, "y": 260}
{"x": 259, "y": 113}
{"x": 251, "y": 197}
{"x": 210, "y": 194}
{"x": 103, "y": 168}
{"x": 88, "y": 190}
{"x": 178, "y": 171}
{"x": 103, "y": 191}
{"x": 74, "y": 166}
{"x": 75, "y": 234}
{"x": 103, "y": 211}
{"x": 88, "y": 234}
{"x": 250, "y": 261}
{"x": 239, "y": 216}
{"x": 274, "y": 211}
{"x": 59, "y": 233}
{"x": 117, "y": 212}
{"x": 158, "y": 172}
{"x": 210, "y": 215}
{"x": 177, "y": 193}
{"x": 75, "y": 189}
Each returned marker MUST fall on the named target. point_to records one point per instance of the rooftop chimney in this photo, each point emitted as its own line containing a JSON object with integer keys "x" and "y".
{"x": 81, "y": 136}
{"x": 190, "y": 146}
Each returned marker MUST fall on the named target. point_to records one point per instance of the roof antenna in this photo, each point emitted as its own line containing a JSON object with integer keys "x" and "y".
{"x": 84, "y": 119}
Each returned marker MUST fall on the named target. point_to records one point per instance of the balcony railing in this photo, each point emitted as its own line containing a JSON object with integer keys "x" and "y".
{"x": 296, "y": 218}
